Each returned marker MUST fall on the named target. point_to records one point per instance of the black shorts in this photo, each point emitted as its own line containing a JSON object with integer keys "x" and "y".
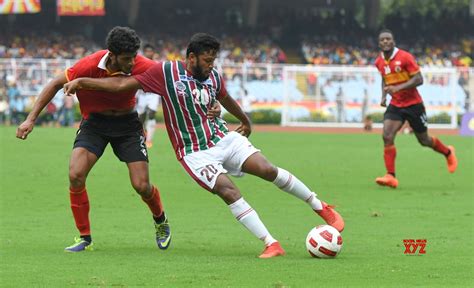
{"x": 124, "y": 133}
{"x": 414, "y": 114}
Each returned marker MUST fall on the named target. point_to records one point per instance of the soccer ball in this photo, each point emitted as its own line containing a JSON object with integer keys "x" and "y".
{"x": 324, "y": 241}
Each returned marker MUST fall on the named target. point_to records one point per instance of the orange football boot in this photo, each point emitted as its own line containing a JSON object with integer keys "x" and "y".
{"x": 331, "y": 217}
{"x": 452, "y": 160}
{"x": 387, "y": 180}
{"x": 272, "y": 250}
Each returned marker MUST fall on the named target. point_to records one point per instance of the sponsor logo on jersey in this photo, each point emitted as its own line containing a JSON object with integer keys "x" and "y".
{"x": 186, "y": 78}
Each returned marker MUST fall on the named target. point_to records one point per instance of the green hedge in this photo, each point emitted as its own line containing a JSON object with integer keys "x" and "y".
{"x": 267, "y": 116}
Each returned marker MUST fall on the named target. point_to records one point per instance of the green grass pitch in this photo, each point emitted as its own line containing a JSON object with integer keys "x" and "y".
{"x": 209, "y": 247}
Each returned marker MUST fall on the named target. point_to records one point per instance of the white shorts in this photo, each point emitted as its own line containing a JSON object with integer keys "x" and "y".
{"x": 145, "y": 100}
{"x": 226, "y": 157}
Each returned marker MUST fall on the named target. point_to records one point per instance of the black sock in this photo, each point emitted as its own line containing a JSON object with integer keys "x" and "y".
{"x": 88, "y": 238}
{"x": 161, "y": 219}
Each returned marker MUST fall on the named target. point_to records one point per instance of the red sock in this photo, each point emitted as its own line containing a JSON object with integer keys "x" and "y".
{"x": 439, "y": 147}
{"x": 154, "y": 202}
{"x": 389, "y": 154}
{"x": 80, "y": 209}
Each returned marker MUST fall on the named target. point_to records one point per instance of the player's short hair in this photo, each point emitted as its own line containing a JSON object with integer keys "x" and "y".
{"x": 122, "y": 40}
{"x": 202, "y": 42}
{"x": 385, "y": 30}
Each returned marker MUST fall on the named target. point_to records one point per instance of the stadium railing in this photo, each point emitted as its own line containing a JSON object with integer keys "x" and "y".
{"x": 305, "y": 95}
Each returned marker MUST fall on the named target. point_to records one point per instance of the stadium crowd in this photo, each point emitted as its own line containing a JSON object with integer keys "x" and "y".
{"x": 239, "y": 49}
{"x": 254, "y": 49}
{"x": 333, "y": 52}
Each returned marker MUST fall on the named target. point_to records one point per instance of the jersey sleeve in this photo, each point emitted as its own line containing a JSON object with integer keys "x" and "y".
{"x": 81, "y": 69}
{"x": 222, "y": 90}
{"x": 153, "y": 79}
{"x": 142, "y": 64}
{"x": 411, "y": 66}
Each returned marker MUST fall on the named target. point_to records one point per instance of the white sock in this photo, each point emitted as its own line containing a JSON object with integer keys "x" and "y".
{"x": 289, "y": 183}
{"x": 150, "y": 129}
{"x": 249, "y": 218}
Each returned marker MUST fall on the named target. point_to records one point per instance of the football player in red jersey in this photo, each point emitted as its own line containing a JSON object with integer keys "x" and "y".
{"x": 400, "y": 77}
{"x": 107, "y": 118}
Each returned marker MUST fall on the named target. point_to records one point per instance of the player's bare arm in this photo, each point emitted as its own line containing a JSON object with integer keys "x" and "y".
{"x": 46, "y": 95}
{"x": 233, "y": 108}
{"x": 111, "y": 84}
{"x": 383, "y": 101}
{"x": 415, "y": 81}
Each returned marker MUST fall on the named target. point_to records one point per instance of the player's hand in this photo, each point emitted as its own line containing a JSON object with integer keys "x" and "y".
{"x": 215, "y": 111}
{"x": 71, "y": 87}
{"x": 244, "y": 130}
{"x": 391, "y": 89}
{"x": 383, "y": 102}
{"x": 24, "y": 129}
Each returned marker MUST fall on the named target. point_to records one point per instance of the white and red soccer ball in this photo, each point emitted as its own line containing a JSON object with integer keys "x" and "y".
{"x": 324, "y": 241}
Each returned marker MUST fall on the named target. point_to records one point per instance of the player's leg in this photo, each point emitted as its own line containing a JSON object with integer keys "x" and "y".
{"x": 418, "y": 121}
{"x": 150, "y": 126}
{"x": 139, "y": 177}
{"x": 205, "y": 167}
{"x": 130, "y": 148}
{"x": 393, "y": 121}
{"x": 256, "y": 164}
{"x": 89, "y": 146}
{"x": 80, "y": 164}
{"x": 246, "y": 215}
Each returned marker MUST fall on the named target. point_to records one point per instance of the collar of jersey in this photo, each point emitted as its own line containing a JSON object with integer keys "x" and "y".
{"x": 395, "y": 50}
{"x": 102, "y": 65}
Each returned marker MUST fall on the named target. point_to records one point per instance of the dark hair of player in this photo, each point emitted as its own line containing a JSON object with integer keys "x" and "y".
{"x": 122, "y": 40}
{"x": 202, "y": 42}
{"x": 385, "y": 30}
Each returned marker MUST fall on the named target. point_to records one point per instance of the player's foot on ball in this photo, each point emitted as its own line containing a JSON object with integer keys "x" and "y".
{"x": 79, "y": 245}
{"x": 272, "y": 250}
{"x": 452, "y": 160}
{"x": 163, "y": 234}
{"x": 331, "y": 217}
{"x": 387, "y": 180}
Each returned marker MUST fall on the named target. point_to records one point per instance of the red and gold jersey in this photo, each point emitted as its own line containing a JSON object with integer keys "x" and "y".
{"x": 94, "y": 66}
{"x": 399, "y": 69}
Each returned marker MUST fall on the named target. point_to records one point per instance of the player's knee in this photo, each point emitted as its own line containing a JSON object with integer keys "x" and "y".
{"x": 424, "y": 142}
{"x": 77, "y": 178}
{"x": 142, "y": 187}
{"x": 388, "y": 138}
{"x": 269, "y": 172}
{"x": 229, "y": 193}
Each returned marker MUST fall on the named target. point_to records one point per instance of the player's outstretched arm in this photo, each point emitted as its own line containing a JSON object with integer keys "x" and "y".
{"x": 45, "y": 96}
{"x": 110, "y": 84}
{"x": 233, "y": 108}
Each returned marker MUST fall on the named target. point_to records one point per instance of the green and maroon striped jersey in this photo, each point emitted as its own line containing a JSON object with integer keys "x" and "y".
{"x": 185, "y": 105}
